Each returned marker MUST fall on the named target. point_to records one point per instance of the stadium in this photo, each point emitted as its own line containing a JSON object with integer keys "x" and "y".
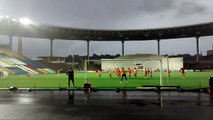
{"x": 13, "y": 64}
{"x": 126, "y": 86}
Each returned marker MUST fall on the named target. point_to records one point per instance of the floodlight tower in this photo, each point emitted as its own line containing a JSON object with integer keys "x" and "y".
{"x": 25, "y": 21}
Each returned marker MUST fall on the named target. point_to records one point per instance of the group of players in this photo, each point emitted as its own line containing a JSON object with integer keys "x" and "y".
{"x": 147, "y": 72}
{"x": 119, "y": 72}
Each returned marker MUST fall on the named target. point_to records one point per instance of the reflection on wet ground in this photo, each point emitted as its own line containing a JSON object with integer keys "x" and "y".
{"x": 104, "y": 105}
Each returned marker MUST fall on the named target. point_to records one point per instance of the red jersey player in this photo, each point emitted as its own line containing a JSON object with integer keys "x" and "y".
{"x": 129, "y": 72}
{"x": 99, "y": 73}
{"x": 145, "y": 72}
{"x": 2, "y": 74}
{"x": 182, "y": 72}
{"x": 110, "y": 73}
{"x": 135, "y": 72}
{"x": 150, "y": 72}
{"x": 9, "y": 73}
{"x": 168, "y": 73}
{"x": 28, "y": 74}
{"x": 118, "y": 72}
{"x": 115, "y": 71}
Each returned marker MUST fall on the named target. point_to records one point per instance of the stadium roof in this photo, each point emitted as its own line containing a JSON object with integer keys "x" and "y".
{"x": 8, "y": 27}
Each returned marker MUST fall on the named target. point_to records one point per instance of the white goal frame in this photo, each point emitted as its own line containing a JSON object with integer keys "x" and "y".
{"x": 160, "y": 66}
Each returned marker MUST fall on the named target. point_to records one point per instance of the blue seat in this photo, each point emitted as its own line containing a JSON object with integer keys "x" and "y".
{"x": 34, "y": 64}
{"x": 17, "y": 70}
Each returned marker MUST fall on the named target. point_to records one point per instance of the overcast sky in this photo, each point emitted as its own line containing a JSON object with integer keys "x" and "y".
{"x": 110, "y": 14}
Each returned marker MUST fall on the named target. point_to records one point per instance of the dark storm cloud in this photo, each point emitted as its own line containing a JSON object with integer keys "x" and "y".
{"x": 101, "y": 13}
{"x": 153, "y": 6}
{"x": 189, "y": 8}
{"x": 109, "y": 14}
{"x": 116, "y": 13}
{"x": 89, "y": 13}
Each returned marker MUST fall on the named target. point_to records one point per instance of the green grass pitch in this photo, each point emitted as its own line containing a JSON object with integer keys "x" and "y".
{"x": 191, "y": 80}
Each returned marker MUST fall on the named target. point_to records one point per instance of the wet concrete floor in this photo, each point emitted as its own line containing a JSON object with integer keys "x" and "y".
{"x": 105, "y": 105}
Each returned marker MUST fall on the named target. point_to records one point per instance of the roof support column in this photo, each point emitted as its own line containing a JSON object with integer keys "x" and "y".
{"x": 19, "y": 45}
{"x": 88, "y": 50}
{"x": 197, "y": 48}
{"x": 51, "y": 50}
{"x": 158, "y": 40}
{"x": 122, "y": 47}
{"x": 10, "y": 42}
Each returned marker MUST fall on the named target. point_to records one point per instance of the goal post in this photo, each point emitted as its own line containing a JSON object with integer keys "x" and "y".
{"x": 112, "y": 64}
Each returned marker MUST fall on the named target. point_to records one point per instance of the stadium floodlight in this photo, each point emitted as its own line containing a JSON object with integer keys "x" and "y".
{"x": 15, "y": 20}
{"x": 25, "y": 21}
{"x": 7, "y": 16}
{"x": 1, "y": 17}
